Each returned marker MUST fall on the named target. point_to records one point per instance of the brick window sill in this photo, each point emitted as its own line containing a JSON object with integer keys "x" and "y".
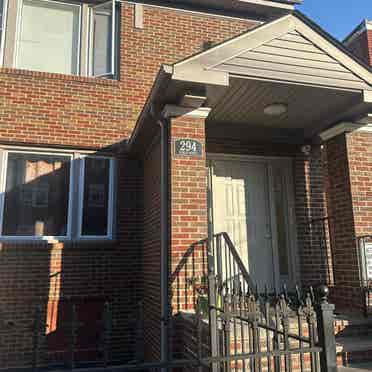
{"x": 56, "y": 76}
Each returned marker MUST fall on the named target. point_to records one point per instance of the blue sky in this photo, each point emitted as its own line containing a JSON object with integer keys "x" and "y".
{"x": 338, "y": 17}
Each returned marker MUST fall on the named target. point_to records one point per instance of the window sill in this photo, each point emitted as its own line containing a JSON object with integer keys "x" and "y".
{"x": 57, "y": 76}
{"x": 59, "y": 243}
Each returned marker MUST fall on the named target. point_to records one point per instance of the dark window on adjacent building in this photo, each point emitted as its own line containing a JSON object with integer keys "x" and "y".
{"x": 96, "y": 203}
{"x": 36, "y": 200}
{"x": 56, "y": 195}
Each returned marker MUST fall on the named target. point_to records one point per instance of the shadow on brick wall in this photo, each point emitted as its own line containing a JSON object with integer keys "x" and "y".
{"x": 65, "y": 288}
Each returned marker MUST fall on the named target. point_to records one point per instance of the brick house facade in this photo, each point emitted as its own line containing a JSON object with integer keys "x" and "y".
{"x": 127, "y": 125}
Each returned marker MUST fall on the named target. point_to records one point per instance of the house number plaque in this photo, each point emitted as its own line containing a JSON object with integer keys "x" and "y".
{"x": 187, "y": 147}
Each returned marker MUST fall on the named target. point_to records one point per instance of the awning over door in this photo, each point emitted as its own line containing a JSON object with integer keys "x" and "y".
{"x": 289, "y": 61}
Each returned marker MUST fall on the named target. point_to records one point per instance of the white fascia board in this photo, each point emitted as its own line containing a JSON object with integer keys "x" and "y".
{"x": 271, "y": 4}
{"x": 338, "y": 129}
{"x": 365, "y": 128}
{"x": 367, "y": 96}
{"x": 173, "y": 111}
{"x": 367, "y": 120}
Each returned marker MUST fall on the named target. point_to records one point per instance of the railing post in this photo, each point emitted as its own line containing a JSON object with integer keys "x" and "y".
{"x": 73, "y": 335}
{"x": 326, "y": 331}
{"x": 212, "y": 289}
{"x": 107, "y": 333}
{"x": 37, "y": 326}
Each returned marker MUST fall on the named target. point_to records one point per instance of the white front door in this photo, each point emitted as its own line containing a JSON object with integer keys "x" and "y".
{"x": 244, "y": 206}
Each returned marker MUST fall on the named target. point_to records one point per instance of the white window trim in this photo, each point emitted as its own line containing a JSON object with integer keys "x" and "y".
{"x": 110, "y": 214}
{"x": 91, "y": 40}
{"x": 3, "y": 188}
{"x": 79, "y": 158}
{"x": 19, "y": 29}
{"x": 3, "y": 26}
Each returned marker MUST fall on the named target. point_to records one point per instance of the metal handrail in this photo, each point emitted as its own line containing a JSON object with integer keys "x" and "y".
{"x": 229, "y": 264}
{"x": 238, "y": 260}
{"x": 365, "y": 281}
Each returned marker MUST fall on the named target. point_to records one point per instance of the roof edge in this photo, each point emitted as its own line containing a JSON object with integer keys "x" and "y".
{"x": 331, "y": 38}
{"x": 358, "y": 30}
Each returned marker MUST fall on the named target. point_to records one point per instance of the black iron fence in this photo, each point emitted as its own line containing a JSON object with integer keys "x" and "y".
{"x": 321, "y": 238}
{"x": 232, "y": 326}
{"x": 283, "y": 331}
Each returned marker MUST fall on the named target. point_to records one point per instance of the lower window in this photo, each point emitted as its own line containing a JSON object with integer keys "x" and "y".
{"x": 38, "y": 199}
{"x": 96, "y": 196}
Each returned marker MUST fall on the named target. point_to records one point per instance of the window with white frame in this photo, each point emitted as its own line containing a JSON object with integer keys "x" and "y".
{"x": 38, "y": 198}
{"x": 49, "y": 37}
{"x": 3, "y": 8}
{"x": 102, "y": 39}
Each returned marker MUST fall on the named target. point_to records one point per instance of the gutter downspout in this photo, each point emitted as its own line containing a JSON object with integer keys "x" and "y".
{"x": 165, "y": 240}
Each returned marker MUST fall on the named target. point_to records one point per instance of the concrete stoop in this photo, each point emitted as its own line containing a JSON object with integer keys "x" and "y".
{"x": 353, "y": 349}
{"x": 353, "y": 339}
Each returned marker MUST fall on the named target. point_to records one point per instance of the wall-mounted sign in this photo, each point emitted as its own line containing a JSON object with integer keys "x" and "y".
{"x": 187, "y": 147}
{"x": 368, "y": 257}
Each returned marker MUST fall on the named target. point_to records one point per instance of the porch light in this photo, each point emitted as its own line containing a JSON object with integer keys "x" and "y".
{"x": 276, "y": 109}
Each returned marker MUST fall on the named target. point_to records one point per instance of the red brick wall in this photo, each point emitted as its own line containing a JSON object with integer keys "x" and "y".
{"x": 39, "y": 273}
{"x": 85, "y": 112}
{"x": 346, "y": 272}
{"x": 311, "y": 208}
{"x": 50, "y": 109}
{"x": 359, "y": 146}
{"x": 151, "y": 251}
{"x": 361, "y": 46}
{"x": 350, "y": 203}
{"x": 189, "y": 222}
{"x": 360, "y": 168}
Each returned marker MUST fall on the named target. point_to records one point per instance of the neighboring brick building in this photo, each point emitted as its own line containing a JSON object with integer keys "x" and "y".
{"x": 360, "y": 41}
{"x": 130, "y": 132}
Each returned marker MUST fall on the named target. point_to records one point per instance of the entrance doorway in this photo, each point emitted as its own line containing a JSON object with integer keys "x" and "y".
{"x": 252, "y": 200}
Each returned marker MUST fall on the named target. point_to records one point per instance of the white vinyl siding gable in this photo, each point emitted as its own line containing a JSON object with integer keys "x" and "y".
{"x": 292, "y": 57}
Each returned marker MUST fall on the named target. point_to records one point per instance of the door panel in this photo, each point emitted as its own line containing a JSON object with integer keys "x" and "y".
{"x": 241, "y": 208}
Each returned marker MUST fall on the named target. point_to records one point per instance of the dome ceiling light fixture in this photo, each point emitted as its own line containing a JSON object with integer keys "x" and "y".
{"x": 276, "y": 109}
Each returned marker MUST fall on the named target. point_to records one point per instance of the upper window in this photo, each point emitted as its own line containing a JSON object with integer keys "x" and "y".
{"x": 2, "y": 27}
{"x": 38, "y": 199}
{"x": 102, "y": 40}
{"x": 49, "y": 37}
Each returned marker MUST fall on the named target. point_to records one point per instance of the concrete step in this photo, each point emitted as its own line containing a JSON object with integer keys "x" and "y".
{"x": 362, "y": 367}
{"x": 353, "y": 349}
{"x": 352, "y": 325}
